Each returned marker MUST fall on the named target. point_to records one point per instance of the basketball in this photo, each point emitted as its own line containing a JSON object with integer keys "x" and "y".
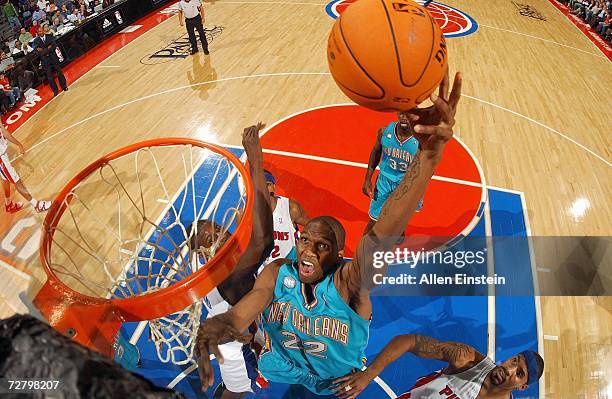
{"x": 387, "y": 55}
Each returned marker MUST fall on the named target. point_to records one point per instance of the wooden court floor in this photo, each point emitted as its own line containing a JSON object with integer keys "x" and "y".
{"x": 535, "y": 112}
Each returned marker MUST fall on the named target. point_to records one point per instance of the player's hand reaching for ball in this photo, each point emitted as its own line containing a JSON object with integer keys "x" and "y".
{"x": 351, "y": 385}
{"x": 433, "y": 126}
{"x": 212, "y": 333}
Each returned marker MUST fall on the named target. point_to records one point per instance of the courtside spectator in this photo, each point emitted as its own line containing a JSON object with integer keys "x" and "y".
{"x": 76, "y": 17}
{"x": 83, "y": 11}
{"x": 8, "y": 9}
{"x": 11, "y": 92}
{"x": 21, "y": 48}
{"x": 64, "y": 12}
{"x": 57, "y": 26}
{"x": 39, "y": 15}
{"x": 48, "y": 30}
{"x": 25, "y": 77}
{"x": 34, "y": 28}
{"x": 51, "y": 7}
{"x": 25, "y": 37}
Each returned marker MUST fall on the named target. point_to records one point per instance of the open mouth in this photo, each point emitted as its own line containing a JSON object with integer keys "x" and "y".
{"x": 306, "y": 268}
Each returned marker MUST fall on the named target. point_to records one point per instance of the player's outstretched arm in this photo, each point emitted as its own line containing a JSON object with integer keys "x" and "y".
{"x": 261, "y": 243}
{"x": 298, "y": 214}
{"x": 375, "y": 156}
{"x": 402, "y": 203}
{"x": 457, "y": 355}
{"x": 231, "y": 326}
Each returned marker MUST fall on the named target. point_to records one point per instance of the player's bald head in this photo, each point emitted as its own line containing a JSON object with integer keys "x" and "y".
{"x": 335, "y": 226}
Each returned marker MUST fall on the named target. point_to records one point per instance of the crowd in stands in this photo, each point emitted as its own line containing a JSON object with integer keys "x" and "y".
{"x": 25, "y": 16}
{"x": 595, "y": 13}
{"x": 53, "y": 14}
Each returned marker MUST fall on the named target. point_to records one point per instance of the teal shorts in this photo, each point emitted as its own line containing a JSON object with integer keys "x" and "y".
{"x": 383, "y": 189}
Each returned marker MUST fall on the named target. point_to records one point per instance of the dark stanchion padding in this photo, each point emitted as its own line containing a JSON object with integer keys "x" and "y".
{"x": 32, "y": 350}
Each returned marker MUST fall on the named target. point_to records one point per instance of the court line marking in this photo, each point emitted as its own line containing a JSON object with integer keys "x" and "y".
{"x": 491, "y": 310}
{"x": 569, "y": 21}
{"x": 349, "y": 163}
{"x": 506, "y": 190}
{"x": 536, "y": 297}
{"x": 385, "y": 387}
{"x": 551, "y": 337}
{"x": 546, "y": 40}
{"x": 284, "y": 74}
{"x": 30, "y": 117}
{"x": 14, "y": 270}
{"x": 483, "y": 193}
{"x": 540, "y": 124}
{"x": 183, "y": 374}
{"x": 266, "y": 2}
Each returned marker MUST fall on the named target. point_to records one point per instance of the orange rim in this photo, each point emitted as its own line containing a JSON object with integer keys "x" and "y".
{"x": 179, "y": 295}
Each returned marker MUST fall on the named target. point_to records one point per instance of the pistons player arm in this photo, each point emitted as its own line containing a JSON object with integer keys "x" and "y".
{"x": 457, "y": 355}
{"x": 375, "y": 156}
{"x": 298, "y": 214}
{"x": 261, "y": 243}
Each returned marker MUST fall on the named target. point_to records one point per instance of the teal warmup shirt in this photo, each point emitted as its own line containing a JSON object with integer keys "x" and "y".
{"x": 397, "y": 155}
{"x": 310, "y": 344}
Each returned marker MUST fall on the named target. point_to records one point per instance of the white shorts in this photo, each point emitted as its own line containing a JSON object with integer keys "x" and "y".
{"x": 7, "y": 172}
{"x": 239, "y": 368}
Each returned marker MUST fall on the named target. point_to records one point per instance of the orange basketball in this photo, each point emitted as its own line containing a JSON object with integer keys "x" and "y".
{"x": 387, "y": 55}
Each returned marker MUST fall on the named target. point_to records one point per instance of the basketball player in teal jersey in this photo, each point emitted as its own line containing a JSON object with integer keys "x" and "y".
{"x": 394, "y": 149}
{"x": 468, "y": 375}
{"x": 316, "y": 311}
{"x": 397, "y": 147}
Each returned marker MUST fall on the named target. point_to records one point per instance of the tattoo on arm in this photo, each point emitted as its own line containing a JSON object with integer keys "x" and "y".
{"x": 449, "y": 351}
{"x": 404, "y": 187}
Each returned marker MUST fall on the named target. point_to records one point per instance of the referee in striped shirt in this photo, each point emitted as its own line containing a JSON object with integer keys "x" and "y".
{"x": 193, "y": 13}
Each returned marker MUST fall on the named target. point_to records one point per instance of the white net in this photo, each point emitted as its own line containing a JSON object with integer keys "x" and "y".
{"x": 127, "y": 229}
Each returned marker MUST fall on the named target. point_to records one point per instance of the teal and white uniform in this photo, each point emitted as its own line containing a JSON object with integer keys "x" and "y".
{"x": 310, "y": 343}
{"x": 396, "y": 157}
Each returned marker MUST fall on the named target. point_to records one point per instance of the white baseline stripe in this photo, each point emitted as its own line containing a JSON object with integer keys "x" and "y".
{"x": 546, "y": 40}
{"x": 359, "y": 165}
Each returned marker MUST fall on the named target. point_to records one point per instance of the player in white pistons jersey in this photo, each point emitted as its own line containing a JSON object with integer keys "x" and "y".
{"x": 239, "y": 368}
{"x": 9, "y": 176}
{"x": 469, "y": 374}
{"x": 286, "y": 215}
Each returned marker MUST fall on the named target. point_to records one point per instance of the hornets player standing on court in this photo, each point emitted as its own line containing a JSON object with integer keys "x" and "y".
{"x": 316, "y": 311}
{"x": 397, "y": 146}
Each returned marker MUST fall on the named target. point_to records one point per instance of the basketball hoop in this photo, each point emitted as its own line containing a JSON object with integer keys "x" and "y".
{"x": 115, "y": 243}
